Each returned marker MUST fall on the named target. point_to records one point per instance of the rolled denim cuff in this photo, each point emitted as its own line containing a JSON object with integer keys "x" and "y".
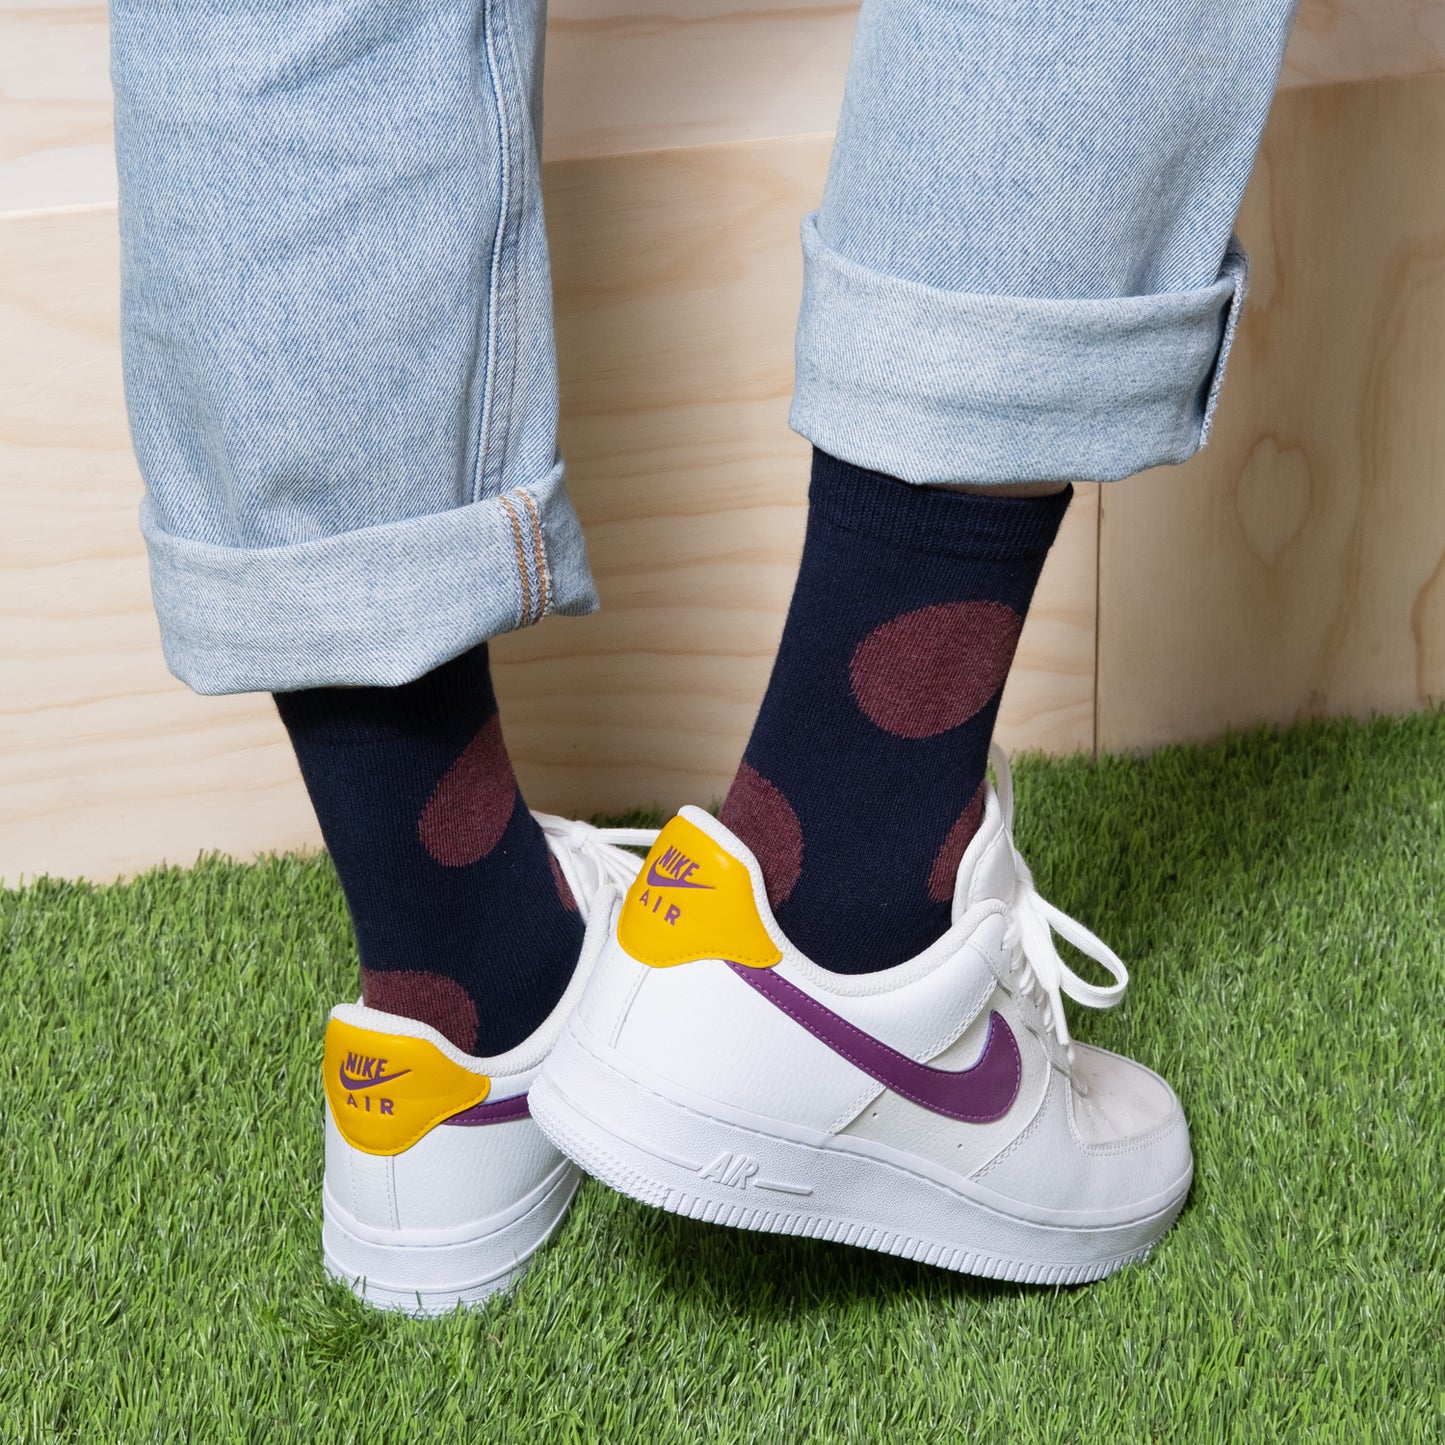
{"x": 378, "y": 606}
{"x": 936, "y": 386}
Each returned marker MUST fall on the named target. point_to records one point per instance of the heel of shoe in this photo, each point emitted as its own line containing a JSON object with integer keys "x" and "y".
{"x": 429, "y": 1272}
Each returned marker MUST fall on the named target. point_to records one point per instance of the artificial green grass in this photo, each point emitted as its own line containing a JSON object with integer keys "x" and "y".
{"x": 1280, "y": 900}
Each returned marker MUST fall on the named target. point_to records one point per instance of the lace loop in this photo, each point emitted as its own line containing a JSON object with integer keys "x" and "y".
{"x": 590, "y": 857}
{"x": 1033, "y": 921}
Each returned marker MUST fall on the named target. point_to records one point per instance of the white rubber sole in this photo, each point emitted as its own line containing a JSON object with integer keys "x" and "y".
{"x": 669, "y": 1154}
{"x": 400, "y": 1270}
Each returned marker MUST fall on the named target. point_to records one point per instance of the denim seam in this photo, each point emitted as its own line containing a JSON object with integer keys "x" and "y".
{"x": 484, "y": 341}
{"x": 526, "y": 615}
{"x": 497, "y": 438}
{"x": 1236, "y": 257}
{"x": 540, "y": 553}
{"x": 509, "y": 282}
{"x": 498, "y": 113}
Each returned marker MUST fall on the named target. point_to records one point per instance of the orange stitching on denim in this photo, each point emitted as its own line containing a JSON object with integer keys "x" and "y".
{"x": 521, "y": 560}
{"x": 541, "y": 555}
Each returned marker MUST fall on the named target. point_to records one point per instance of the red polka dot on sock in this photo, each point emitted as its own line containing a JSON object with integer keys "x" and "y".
{"x": 430, "y": 998}
{"x": 764, "y": 819}
{"x": 927, "y": 671}
{"x": 564, "y": 891}
{"x": 468, "y": 812}
{"x": 944, "y": 874}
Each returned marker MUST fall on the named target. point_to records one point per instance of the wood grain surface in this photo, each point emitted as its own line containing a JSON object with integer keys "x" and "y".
{"x": 1297, "y": 565}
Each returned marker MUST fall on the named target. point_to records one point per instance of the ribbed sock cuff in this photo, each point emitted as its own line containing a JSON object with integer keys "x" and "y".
{"x": 458, "y": 693}
{"x": 925, "y": 519}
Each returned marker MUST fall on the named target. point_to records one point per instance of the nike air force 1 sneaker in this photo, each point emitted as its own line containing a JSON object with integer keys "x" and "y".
{"x": 439, "y": 1186}
{"x": 936, "y": 1110}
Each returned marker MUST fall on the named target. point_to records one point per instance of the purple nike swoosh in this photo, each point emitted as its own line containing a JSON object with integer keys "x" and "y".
{"x": 350, "y": 1083}
{"x": 493, "y": 1113}
{"x": 656, "y": 880}
{"x": 976, "y": 1096}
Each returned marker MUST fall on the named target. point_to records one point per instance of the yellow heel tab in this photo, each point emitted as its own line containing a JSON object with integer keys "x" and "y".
{"x": 693, "y": 900}
{"x": 387, "y": 1090}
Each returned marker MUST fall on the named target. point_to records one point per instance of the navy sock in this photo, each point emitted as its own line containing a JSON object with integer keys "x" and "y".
{"x": 462, "y": 919}
{"x": 862, "y": 783}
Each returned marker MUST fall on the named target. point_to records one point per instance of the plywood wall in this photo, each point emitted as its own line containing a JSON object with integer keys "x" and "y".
{"x": 1294, "y": 567}
{"x": 1297, "y": 566}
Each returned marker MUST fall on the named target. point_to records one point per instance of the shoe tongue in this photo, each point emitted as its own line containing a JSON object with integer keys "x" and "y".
{"x": 987, "y": 867}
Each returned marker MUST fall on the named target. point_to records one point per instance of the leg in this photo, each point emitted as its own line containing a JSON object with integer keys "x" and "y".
{"x": 337, "y": 335}
{"x": 340, "y": 374}
{"x": 1021, "y": 272}
{"x": 343, "y": 393}
{"x": 1021, "y": 275}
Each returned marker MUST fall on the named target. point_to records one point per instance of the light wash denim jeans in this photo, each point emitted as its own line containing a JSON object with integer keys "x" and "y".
{"x": 337, "y": 314}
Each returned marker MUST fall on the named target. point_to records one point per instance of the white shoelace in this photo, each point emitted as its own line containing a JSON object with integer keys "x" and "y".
{"x": 590, "y": 857}
{"x": 1029, "y": 936}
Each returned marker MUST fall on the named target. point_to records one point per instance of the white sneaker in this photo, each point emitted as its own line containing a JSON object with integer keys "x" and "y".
{"x": 935, "y": 1110}
{"x": 439, "y": 1187}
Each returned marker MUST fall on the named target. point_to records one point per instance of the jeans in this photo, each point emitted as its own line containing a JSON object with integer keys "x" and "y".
{"x": 336, "y": 303}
